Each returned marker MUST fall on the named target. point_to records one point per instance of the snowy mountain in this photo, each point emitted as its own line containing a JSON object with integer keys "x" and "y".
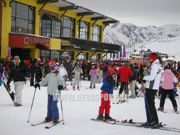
{"x": 138, "y": 38}
{"x": 130, "y": 34}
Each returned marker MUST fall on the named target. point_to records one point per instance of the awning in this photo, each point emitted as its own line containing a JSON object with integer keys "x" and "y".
{"x": 82, "y": 44}
{"x": 22, "y": 40}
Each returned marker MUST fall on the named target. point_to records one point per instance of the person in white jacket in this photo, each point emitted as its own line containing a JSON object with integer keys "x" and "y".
{"x": 54, "y": 83}
{"x": 152, "y": 84}
{"x": 63, "y": 73}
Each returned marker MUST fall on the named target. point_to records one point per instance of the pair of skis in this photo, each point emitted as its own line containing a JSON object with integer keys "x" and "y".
{"x": 50, "y": 126}
{"x": 132, "y": 123}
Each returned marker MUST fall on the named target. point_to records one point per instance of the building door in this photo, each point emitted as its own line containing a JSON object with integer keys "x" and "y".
{"x": 23, "y": 53}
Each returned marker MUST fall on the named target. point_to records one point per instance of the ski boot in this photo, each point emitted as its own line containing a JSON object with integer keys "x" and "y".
{"x": 47, "y": 119}
{"x": 108, "y": 118}
{"x": 100, "y": 117}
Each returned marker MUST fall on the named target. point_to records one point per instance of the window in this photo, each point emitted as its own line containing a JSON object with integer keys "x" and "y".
{"x": 83, "y": 30}
{"x": 96, "y": 33}
{"x": 44, "y": 53}
{"x": 67, "y": 27}
{"x": 22, "y": 19}
{"x": 50, "y": 26}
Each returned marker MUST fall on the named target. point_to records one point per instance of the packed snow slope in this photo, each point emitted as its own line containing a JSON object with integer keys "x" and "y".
{"x": 79, "y": 107}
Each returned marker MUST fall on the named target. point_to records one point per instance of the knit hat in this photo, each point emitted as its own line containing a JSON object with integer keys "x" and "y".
{"x": 54, "y": 68}
{"x": 153, "y": 56}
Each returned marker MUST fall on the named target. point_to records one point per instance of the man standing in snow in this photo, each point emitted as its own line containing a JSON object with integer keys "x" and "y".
{"x": 18, "y": 72}
{"x": 152, "y": 84}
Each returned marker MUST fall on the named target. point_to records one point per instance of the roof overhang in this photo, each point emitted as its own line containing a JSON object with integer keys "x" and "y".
{"x": 89, "y": 45}
{"x": 65, "y": 5}
{"x": 44, "y": 1}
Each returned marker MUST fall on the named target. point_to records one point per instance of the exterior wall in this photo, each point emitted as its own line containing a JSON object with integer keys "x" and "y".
{"x": 55, "y": 44}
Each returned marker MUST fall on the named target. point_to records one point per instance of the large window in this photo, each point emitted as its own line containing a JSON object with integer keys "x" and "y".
{"x": 50, "y": 26}
{"x": 22, "y": 19}
{"x": 96, "y": 33}
{"x": 83, "y": 30}
{"x": 45, "y": 53}
{"x": 67, "y": 27}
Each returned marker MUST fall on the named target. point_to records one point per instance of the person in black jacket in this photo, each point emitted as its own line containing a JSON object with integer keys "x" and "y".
{"x": 18, "y": 73}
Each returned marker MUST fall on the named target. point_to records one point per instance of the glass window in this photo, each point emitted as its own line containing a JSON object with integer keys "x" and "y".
{"x": 96, "y": 33}
{"x": 22, "y": 19}
{"x": 50, "y": 26}
{"x": 67, "y": 27}
{"x": 44, "y": 53}
{"x": 83, "y": 30}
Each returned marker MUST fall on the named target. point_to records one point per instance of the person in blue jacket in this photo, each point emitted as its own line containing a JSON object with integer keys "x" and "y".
{"x": 107, "y": 89}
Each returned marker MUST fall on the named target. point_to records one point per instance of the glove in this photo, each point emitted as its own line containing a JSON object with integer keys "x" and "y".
{"x": 37, "y": 85}
{"x": 8, "y": 86}
{"x": 60, "y": 87}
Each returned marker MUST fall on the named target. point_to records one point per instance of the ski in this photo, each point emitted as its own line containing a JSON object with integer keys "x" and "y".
{"x": 36, "y": 124}
{"x": 139, "y": 124}
{"x": 53, "y": 124}
{"x": 106, "y": 121}
{"x": 10, "y": 92}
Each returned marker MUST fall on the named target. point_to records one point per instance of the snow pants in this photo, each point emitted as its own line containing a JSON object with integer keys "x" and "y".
{"x": 52, "y": 109}
{"x": 105, "y": 103}
{"x": 170, "y": 93}
{"x": 18, "y": 87}
{"x": 93, "y": 81}
{"x": 151, "y": 113}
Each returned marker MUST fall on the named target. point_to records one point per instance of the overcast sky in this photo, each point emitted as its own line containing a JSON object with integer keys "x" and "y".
{"x": 139, "y": 12}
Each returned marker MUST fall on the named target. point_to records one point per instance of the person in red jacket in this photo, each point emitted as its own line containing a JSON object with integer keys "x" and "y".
{"x": 124, "y": 74}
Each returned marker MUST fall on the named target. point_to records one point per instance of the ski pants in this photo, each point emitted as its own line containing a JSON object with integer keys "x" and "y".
{"x": 18, "y": 87}
{"x": 52, "y": 108}
{"x": 132, "y": 87}
{"x": 164, "y": 93}
{"x": 151, "y": 113}
{"x": 93, "y": 81}
{"x": 105, "y": 103}
{"x": 124, "y": 86}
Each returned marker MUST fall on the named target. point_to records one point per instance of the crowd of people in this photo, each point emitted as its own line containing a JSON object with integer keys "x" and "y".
{"x": 156, "y": 78}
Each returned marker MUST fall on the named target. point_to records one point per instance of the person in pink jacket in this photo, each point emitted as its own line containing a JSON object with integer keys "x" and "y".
{"x": 167, "y": 85}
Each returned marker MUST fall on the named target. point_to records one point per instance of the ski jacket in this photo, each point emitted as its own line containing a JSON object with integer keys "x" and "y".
{"x": 17, "y": 73}
{"x": 168, "y": 79}
{"x": 108, "y": 85}
{"x": 153, "y": 76}
{"x": 52, "y": 81}
{"x": 125, "y": 73}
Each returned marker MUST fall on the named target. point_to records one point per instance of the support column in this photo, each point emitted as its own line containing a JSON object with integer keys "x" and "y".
{"x": 6, "y": 29}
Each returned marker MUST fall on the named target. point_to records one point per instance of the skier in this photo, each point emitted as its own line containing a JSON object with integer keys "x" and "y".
{"x": 107, "y": 89}
{"x": 125, "y": 73}
{"x": 18, "y": 72}
{"x": 167, "y": 84}
{"x": 93, "y": 74}
{"x": 77, "y": 75}
{"x": 54, "y": 82}
{"x": 152, "y": 83}
{"x": 64, "y": 74}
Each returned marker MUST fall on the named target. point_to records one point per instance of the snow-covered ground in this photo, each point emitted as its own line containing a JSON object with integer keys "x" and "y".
{"x": 79, "y": 108}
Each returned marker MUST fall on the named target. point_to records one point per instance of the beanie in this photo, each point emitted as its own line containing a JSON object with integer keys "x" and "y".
{"x": 153, "y": 57}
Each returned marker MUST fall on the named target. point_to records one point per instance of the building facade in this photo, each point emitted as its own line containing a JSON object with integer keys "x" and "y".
{"x": 52, "y": 28}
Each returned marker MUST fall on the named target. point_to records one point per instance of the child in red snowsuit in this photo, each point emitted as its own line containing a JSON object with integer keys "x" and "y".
{"x": 107, "y": 89}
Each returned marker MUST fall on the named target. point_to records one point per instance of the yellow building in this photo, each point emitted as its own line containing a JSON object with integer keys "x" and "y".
{"x": 52, "y": 28}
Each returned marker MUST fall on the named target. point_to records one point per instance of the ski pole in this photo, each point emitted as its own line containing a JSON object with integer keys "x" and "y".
{"x": 31, "y": 105}
{"x": 62, "y": 109}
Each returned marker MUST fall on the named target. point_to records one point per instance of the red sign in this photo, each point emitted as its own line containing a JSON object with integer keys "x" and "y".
{"x": 22, "y": 40}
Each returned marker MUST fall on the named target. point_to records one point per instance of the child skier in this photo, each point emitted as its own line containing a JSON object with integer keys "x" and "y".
{"x": 93, "y": 74}
{"x": 54, "y": 82}
{"x": 107, "y": 89}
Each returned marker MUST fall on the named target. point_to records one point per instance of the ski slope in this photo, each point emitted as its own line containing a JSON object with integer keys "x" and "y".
{"x": 170, "y": 47}
{"x": 79, "y": 107}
